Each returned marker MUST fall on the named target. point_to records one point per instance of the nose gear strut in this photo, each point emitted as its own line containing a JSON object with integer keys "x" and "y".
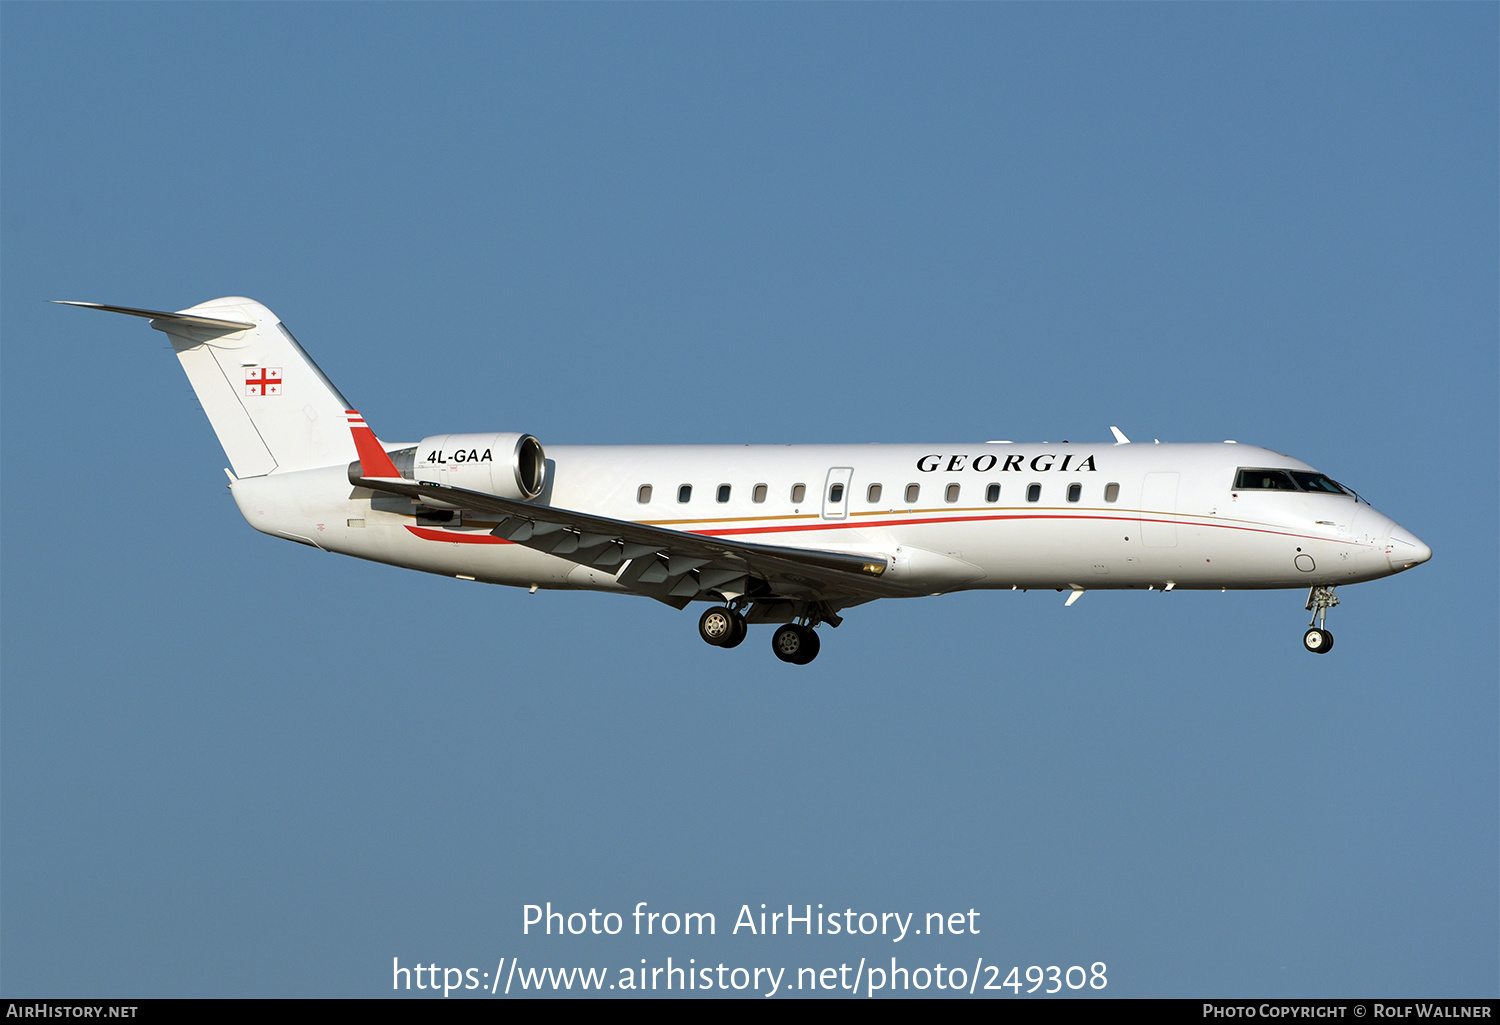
{"x": 1318, "y": 639}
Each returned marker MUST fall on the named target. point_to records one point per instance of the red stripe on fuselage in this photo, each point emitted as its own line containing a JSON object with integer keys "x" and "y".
{"x": 457, "y": 537}
{"x": 1006, "y": 516}
{"x": 429, "y": 534}
{"x": 373, "y": 460}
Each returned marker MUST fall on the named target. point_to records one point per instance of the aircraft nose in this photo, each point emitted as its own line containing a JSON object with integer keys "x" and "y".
{"x": 1405, "y": 551}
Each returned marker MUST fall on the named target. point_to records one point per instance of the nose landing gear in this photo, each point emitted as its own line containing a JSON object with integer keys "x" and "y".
{"x": 1319, "y": 642}
{"x": 1318, "y": 639}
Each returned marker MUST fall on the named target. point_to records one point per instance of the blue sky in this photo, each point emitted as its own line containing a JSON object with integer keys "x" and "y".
{"x": 238, "y": 767}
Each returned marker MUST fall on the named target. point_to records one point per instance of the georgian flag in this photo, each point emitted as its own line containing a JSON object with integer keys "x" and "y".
{"x": 263, "y": 381}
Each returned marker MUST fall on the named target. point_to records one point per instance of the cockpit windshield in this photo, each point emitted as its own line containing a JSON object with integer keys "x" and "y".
{"x": 1263, "y": 480}
{"x": 1256, "y": 479}
{"x": 1318, "y": 482}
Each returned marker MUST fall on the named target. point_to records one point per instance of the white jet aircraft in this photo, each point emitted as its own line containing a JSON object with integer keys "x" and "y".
{"x": 789, "y": 535}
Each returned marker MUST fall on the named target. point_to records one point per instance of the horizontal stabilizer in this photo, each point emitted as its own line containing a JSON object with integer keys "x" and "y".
{"x": 182, "y": 318}
{"x": 270, "y": 405}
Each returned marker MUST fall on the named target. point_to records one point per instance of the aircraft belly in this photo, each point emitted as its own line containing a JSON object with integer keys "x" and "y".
{"x": 316, "y": 507}
{"x": 1052, "y": 551}
{"x": 1254, "y": 556}
{"x": 927, "y": 571}
{"x": 1102, "y": 552}
{"x": 485, "y": 561}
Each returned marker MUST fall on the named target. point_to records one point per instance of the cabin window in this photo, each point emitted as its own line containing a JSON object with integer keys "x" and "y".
{"x": 723, "y": 495}
{"x": 950, "y": 493}
{"x": 1263, "y": 480}
{"x": 759, "y": 494}
{"x": 872, "y": 495}
{"x": 799, "y": 492}
{"x": 992, "y": 493}
{"x": 836, "y": 494}
{"x": 1075, "y": 492}
{"x": 1034, "y": 493}
{"x": 912, "y": 491}
{"x": 685, "y": 493}
{"x": 643, "y": 494}
{"x": 1111, "y": 492}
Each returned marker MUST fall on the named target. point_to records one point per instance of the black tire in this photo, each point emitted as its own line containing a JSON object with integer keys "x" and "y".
{"x": 810, "y": 646}
{"x": 740, "y": 631}
{"x": 1317, "y": 641}
{"x": 716, "y": 626}
{"x": 787, "y": 643}
{"x": 795, "y": 644}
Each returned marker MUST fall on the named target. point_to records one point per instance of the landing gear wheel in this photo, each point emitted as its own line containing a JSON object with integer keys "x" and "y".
{"x": 1319, "y": 642}
{"x": 811, "y": 646}
{"x": 1319, "y": 600}
{"x": 786, "y": 642}
{"x": 795, "y": 644}
{"x": 738, "y": 636}
{"x": 717, "y": 627}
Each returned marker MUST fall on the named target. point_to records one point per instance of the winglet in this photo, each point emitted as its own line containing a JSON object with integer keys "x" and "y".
{"x": 1120, "y": 438}
{"x": 374, "y": 461}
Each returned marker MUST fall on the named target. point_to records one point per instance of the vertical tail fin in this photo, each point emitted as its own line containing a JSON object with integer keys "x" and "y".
{"x": 270, "y": 405}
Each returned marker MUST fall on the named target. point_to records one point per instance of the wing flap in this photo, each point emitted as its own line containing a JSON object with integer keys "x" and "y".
{"x": 661, "y": 562}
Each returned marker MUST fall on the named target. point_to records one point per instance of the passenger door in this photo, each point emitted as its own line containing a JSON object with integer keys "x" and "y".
{"x": 836, "y": 493}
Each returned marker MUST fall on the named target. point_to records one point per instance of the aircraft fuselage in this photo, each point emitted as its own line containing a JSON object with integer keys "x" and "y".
{"x": 1062, "y": 516}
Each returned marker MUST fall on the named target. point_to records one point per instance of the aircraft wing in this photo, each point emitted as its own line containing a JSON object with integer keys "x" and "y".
{"x": 673, "y": 566}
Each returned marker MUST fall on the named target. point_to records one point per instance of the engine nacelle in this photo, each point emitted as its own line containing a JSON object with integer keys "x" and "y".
{"x": 508, "y": 465}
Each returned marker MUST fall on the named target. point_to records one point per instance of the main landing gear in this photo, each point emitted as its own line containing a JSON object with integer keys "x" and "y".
{"x": 1318, "y": 639}
{"x": 796, "y": 644}
{"x": 724, "y": 627}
